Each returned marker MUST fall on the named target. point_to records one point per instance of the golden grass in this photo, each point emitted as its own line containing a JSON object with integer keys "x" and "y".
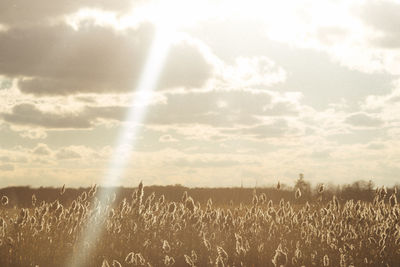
{"x": 156, "y": 232}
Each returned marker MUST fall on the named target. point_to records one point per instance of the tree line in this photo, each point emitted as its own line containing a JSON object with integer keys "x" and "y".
{"x": 21, "y": 196}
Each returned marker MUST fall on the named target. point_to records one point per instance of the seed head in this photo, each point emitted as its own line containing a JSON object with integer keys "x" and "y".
{"x": 116, "y": 263}
{"x": 280, "y": 258}
{"x": 189, "y": 204}
{"x": 161, "y": 200}
{"x": 172, "y": 207}
{"x": 130, "y": 257}
{"x": 297, "y": 195}
{"x": 326, "y": 261}
{"x": 166, "y": 247}
{"x": 255, "y": 200}
{"x": 4, "y": 200}
{"x": 105, "y": 264}
{"x": 393, "y": 200}
{"x": 321, "y": 189}
{"x": 62, "y": 190}
{"x": 34, "y": 200}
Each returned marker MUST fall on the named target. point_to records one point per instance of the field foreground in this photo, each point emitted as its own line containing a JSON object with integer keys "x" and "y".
{"x": 151, "y": 231}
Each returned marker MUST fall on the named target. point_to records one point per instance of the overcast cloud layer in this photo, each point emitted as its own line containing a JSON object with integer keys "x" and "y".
{"x": 254, "y": 92}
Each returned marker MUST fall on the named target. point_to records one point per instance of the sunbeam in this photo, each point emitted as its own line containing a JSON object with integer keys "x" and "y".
{"x": 126, "y": 140}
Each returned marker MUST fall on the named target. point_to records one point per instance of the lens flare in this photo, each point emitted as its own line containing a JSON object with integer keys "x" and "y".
{"x": 126, "y": 141}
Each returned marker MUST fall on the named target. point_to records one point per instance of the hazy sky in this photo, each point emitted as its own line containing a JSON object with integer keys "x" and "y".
{"x": 249, "y": 90}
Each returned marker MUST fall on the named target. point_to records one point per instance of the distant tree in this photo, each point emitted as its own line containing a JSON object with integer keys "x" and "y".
{"x": 303, "y": 186}
{"x": 360, "y": 189}
{"x": 370, "y": 186}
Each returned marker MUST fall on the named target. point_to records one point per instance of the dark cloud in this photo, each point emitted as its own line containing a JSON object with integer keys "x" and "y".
{"x": 218, "y": 108}
{"x": 214, "y": 108}
{"x": 66, "y": 153}
{"x": 41, "y": 150}
{"x": 203, "y": 108}
{"x": 394, "y": 99}
{"x": 62, "y": 61}
{"x": 363, "y": 120}
{"x": 117, "y": 113}
{"x": 5, "y": 159}
{"x": 383, "y": 16}
{"x": 22, "y": 12}
{"x": 28, "y": 114}
{"x": 388, "y": 41}
{"x": 185, "y": 66}
{"x": 7, "y": 167}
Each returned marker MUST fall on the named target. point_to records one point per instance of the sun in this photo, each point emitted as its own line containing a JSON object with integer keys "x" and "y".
{"x": 280, "y": 20}
{"x": 176, "y": 15}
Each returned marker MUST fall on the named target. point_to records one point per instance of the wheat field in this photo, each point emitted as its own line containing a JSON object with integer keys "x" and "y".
{"x": 152, "y": 231}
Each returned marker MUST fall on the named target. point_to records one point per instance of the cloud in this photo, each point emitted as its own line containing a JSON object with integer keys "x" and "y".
{"x": 320, "y": 154}
{"x": 386, "y": 107}
{"x": 237, "y": 95}
{"x": 205, "y": 108}
{"x": 22, "y": 13}
{"x": 32, "y": 133}
{"x": 58, "y": 60}
{"x": 205, "y": 163}
{"x": 324, "y": 72}
{"x": 279, "y": 128}
{"x": 363, "y": 120}
{"x": 384, "y": 17}
{"x": 5, "y": 159}
{"x": 221, "y": 108}
{"x": 376, "y": 146}
{"x": 117, "y": 113}
{"x": 167, "y": 139}
{"x": 41, "y": 150}
{"x": 253, "y": 72}
{"x": 28, "y": 114}
{"x": 67, "y": 153}
{"x": 7, "y": 167}
{"x": 331, "y": 34}
{"x": 216, "y": 108}
{"x": 5, "y": 83}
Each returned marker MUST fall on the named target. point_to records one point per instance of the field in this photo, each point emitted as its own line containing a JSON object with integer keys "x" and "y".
{"x": 151, "y": 230}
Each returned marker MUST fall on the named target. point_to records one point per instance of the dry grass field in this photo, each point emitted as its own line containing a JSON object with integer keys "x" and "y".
{"x": 151, "y": 231}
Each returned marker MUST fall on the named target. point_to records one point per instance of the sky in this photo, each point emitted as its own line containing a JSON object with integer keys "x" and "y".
{"x": 250, "y": 92}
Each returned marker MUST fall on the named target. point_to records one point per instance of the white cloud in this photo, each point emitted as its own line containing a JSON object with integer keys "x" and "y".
{"x": 252, "y": 72}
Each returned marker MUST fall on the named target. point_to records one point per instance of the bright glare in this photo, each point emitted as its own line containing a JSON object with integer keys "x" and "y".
{"x": 287, "y": 20}
{"x": 136, "y": 113}
{"x": 177, "y": 14}
{"x": 128, "y": 135}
